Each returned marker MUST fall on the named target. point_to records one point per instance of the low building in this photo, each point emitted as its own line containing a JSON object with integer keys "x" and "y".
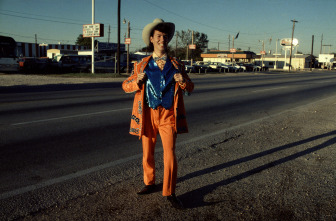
{"x": 40, "y": 50}
{"x": 57, "y": 53}
{"x": 299, "y": 61}
{"x": 227, "y": 56}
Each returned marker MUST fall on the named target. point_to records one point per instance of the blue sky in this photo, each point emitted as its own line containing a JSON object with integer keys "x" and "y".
{"x": 56, "y": 21}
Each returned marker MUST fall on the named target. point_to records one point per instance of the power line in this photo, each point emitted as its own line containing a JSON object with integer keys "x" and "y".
{"x": 40, "y": 19}
{"x": 24, "y": 13}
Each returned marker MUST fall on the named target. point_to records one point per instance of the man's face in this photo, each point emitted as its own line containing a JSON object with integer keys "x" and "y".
{"x": 160, "y": 41}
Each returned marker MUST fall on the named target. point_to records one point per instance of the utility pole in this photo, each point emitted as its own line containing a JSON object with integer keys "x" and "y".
{"x": 109, "y": 32}
{"x": 36, "y": 53}
{"x": 290, "y": 58}
{"x": 128, "y": 36}
{"x": 92, "y": 39}
{"x": 192, "y": 42}
{"x": 232, "y": 52}
{"x": 262, "y": 55}
{"x": 321, "y": 44}
{"x": 276, "y": 53}
{"x": 311, "y": 54}
{"x": 176, "y": 45}
{"x": 118, "y": 49}
{"x": 229, "y": 42}
{"x": 187, "y": 58}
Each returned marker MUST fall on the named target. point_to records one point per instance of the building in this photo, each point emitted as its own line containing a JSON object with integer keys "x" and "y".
{"x": 57, "y": 53}
{"x": 299, "y": 61}
{"x": 227, "y": 56}
{"x": 40, "y": 50}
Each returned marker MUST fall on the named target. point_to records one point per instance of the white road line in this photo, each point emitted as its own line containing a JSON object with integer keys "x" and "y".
{"x": 270, "y": 89}
{"x": 81, "y": 173}
{"x": 67, "y": 117}
{"x": 66, "y": 177}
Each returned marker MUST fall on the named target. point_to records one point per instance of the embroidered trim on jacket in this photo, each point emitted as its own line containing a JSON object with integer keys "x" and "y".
{"x": 134, "y": 130}
{"x": 140, "y": 107}
{"x": 136, "y": 119}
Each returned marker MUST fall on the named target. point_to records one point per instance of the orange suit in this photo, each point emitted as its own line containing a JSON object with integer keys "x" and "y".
{"x": 147, "y": 122}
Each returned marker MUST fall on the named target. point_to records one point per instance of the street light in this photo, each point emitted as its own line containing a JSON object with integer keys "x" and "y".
{"x": 128, "y": 36}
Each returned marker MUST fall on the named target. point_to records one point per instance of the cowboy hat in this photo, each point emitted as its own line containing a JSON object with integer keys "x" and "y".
{"x": 149, "y": 28}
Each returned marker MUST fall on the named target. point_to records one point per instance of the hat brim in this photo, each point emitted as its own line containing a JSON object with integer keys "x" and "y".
{"x": 149, "y": 28}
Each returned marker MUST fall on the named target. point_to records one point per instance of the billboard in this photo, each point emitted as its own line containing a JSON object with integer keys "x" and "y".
{"x": 287, "y": 42}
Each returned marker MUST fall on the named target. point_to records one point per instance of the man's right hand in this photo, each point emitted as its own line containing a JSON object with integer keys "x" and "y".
{"x": 141, "y": 78}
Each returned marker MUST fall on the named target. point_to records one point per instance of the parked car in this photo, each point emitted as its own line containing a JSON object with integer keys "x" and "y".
{"x": 249, "y": 67}
{"x": 32, "y": 64}
{"x": 201, "y": 66}
{"x": 188, "y": 67}
{"x": 109, "y": 65}
{"x": 215, "y": 65}
{"x": 230, "y": 67}
{"x": 75, "y": 63}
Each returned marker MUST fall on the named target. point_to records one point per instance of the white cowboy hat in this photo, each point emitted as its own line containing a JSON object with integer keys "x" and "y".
{"x": 149, "y": 28}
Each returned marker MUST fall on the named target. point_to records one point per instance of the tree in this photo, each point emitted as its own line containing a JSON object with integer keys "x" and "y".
{"x": 185, "y": 39}
{"x": 81, "y": 41}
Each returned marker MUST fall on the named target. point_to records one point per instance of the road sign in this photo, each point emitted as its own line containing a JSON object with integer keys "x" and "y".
{"x": 127, "y": 41}
{"x": 93, "y": 30}
{"x": 192, "y": 47}
{"x": 233, "y": 50}
{"x": 262, "y": 52}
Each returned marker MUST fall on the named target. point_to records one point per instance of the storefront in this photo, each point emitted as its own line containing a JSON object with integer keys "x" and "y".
{"x": 227, "y": 56}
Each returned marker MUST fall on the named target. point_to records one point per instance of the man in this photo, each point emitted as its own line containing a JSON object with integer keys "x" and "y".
{"x": 159, "y": 82}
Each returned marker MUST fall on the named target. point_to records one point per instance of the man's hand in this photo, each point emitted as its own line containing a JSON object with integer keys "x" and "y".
{"x": 179, "y": 78}
{"x": 141, "y": 78}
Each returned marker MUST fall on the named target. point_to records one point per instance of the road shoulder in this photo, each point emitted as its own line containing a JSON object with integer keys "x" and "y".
{"x": 281, "y": 168}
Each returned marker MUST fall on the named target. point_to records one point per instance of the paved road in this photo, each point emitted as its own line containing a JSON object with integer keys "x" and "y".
{"x": 52, "y": 134}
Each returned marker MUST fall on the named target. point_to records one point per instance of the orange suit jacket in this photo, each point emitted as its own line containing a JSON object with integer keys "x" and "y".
{"x": 137, "y": 119}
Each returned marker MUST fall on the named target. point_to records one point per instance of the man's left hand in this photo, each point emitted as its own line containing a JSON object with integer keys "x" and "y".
{"x": 179, "y": 78}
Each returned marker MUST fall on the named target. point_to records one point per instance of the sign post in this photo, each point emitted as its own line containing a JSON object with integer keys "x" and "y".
{"x": 233, "y": 50}
{"x": 286, "y": 44}
{"x": 192, "y": 47}
{"x": 91, "y": 31}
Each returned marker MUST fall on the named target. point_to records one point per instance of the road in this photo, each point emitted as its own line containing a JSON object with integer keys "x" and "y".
{"x": 52, "y": 134}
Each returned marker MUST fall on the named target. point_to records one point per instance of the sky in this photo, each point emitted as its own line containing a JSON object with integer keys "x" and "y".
{"x": 257, "y": 21}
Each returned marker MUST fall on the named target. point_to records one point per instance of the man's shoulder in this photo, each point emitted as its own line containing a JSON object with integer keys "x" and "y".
{"x": 145, "y": 59}
{"x": 140, "y": 65}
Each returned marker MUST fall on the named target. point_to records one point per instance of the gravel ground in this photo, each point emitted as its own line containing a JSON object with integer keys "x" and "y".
{"x": 279, "y": 168}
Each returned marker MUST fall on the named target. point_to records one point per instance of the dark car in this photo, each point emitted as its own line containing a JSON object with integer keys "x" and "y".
{"x": 75, "y": 63}
{"x": 31, "y": 64}
{"x": 109, "y": 65}
{"x": 202, "y": 67}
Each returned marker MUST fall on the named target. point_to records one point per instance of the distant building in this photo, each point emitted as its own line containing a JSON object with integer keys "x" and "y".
{"x": 57, "y": 53}
{"x": 40, "y": 50}
{"x": 299, "y": 61}
{"x": 227, "y": 56}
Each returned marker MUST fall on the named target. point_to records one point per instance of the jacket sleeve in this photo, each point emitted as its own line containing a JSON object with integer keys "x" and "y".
{"x": 130, "y": 84}
{"x": 188, "y": 85}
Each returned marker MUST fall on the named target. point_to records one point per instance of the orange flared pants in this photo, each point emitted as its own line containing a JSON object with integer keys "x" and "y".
{"x": 160, "y": 121}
